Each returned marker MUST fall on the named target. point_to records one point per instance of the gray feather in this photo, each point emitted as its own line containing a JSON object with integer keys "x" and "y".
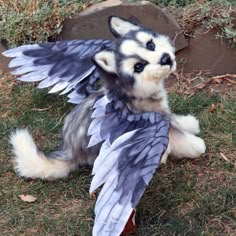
{"x": 126, "y": 164}
{"x": 65, "y": 65}
{"x": 16, "y": 52}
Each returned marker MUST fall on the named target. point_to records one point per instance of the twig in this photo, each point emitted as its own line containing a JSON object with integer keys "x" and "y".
{"x": 225, "y": 77}
{"x": 59, "y": 121}
{"x": 41, "y": 109}
{"x": 176, "y": 35}
{"x": 225, "y": 158}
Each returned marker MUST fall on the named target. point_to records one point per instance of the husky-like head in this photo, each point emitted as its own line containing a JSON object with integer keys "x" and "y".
{"x": 139, "y": 61}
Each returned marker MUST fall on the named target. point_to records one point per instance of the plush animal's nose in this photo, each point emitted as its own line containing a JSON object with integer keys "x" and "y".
{"x": 166, "y": 60}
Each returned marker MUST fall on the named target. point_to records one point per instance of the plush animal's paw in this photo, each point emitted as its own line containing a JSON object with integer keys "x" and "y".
{"x": 166, "y": 154}
{"x": 185, "y": 144}
{"x": 188, "y": 123}
{"x": 197, "y": 146}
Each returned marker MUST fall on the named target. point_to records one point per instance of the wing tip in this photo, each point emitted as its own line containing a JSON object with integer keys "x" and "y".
{"x": 5, "y": 53}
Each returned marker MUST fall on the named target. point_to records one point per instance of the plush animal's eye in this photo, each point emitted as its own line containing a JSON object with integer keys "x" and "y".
{"x": 139, "y": 67}
{"x": 150, "y": 45}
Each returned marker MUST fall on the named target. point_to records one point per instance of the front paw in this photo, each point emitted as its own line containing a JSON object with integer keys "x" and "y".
{"x": 188, "y": 123}
{"x": 185, "y": 144}
{"x": 197, "y": 147}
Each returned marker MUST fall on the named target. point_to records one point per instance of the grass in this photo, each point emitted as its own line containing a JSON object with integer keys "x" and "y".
{"x": 185, "y": 198}
{"x": 215, "y": 14}
{"x": 58, "y": 206}
{"x": 30, "y": 21}
{"x": 176, "y": 3}
{"x": 34, "y": 21}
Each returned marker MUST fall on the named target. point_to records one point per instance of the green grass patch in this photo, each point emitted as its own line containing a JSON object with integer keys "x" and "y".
{"x": 31, "y": 21}
{"x": 186, "y": 197}
{"x": 25, "y": 22}
{"x": 175, "y": 3}
{"x": 215, "y": 14}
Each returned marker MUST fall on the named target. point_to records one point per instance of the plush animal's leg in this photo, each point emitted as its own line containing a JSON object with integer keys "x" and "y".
{"x": 31, "y": 163}
{"x": 166, "y": 154}
{"x": 187, "y": 123}
{"x": 184, "y": 144}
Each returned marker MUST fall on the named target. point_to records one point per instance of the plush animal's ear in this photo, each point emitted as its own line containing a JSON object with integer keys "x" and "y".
{"x": 120, "y": 27}
{"x": 106, "y": 61}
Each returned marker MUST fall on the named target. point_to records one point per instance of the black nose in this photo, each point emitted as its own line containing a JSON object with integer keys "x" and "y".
{"x": 166, "y": 60}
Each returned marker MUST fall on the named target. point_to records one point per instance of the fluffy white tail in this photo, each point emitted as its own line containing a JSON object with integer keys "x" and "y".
{"x": 31, "y": 163}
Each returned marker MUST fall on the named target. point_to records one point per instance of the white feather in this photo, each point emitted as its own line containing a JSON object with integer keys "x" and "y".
{"x": 95, "y": 126}
{"x": 109, "y": 165}
{"x": 67, "y": 89}
{"x": 59, "y": 86}
{"x": 75, "y": 98}
{"x": 20, "y": 61}
{"x": 87, "y": 73}
{"x": 33, "y": 77}
{"x": 107, "y": 190}
{"x": 94, "y": 140}
{"x": 102, "y": 102}
{"x": 24, "y": 69}
{"x": 103, "y": 154}
{"x": 118, "y": 215}
{"x": 73, "y": 94}
{"x": 98, "y": 112}
{"x": 47, "y": 82}
{"x": 16, "y": 52}
{"x": 108, "y": 168}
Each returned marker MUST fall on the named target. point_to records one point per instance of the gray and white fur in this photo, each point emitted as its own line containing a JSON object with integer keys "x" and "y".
{"x": 134, "y": 68}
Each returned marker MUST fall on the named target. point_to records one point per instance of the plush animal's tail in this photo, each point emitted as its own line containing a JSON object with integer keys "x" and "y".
{"x": 31, "y": 163}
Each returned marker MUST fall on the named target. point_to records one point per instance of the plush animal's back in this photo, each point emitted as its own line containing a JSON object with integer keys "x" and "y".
{"x": 75, "y": 133}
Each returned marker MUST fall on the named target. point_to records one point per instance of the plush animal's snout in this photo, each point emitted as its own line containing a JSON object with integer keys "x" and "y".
{"x": 166, "y": 60}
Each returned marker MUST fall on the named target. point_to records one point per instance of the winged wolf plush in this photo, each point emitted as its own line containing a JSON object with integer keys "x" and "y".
{"x": 123, "y": 129}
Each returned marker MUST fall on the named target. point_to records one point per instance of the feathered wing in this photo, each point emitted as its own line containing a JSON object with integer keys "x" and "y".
{"x": 65, "y": 65}
{"x": 127, "y": 161}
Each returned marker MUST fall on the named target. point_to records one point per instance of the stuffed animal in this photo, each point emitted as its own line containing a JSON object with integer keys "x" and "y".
{"x": 124, "y": 129}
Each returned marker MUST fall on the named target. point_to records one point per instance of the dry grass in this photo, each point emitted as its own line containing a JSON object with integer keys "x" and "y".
{"x": 189, "y": 84}
{"x": 29, "y": 21}
{"x": 195, "y": 15}
{"x": 217, "y": 14}
{"x": 185, "y": 198}
{"x": 19, "y": 6}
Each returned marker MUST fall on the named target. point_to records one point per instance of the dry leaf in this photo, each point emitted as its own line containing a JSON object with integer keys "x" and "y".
{"x": 225, "y": 77}
{"x": 225, "y": 158}
{"x": 213, "y": 108}
{"x": 201, "y": 86}
{"x": 201, "y": 1}
{"x": 130, "y": 226}
{"x": 221, "y": 105}
{"x": 230, "y": 81}
{"x": 218, "y": 80}
{"x": 93, "y": 195}
{"x": 27, "y": 198}
{"x": 41, "y": 109}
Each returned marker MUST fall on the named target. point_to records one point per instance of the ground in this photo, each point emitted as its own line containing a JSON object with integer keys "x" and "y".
{"x": 186, "y": 197}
